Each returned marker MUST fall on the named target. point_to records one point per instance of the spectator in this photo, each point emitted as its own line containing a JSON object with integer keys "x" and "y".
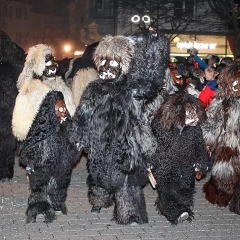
{"x": 226, "y": 60}
{"x": 212, "y": 59}
{"x": 237, "y": 58}
{"x": 207, "y": 94}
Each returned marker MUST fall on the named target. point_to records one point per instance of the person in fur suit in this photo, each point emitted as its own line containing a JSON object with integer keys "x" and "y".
{"x": 37, "y": 78}
{"x": 221, "y": 133}
{"x": 49, "y": 158}
{"x": 12, "y": 59}
{"x": 108, "y": 123}
{"x": 180, "y": 152}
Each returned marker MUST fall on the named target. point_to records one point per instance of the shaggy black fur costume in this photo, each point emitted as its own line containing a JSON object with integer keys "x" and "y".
{"x": 49, "y": 158}
{"x": 108, "y": 124}
{"x": 12, "y": 59}
{"x": 180, "y": 150}
{"x": 68, "y": 67}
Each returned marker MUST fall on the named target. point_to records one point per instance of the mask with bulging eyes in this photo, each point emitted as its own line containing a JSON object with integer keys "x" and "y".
{"x": 236, "y": 87}
{"x": 109, "y": 69}
{"x": 61, "y": 110}
{"x": 191, "y": 116}
{"x": 50, "y": 66}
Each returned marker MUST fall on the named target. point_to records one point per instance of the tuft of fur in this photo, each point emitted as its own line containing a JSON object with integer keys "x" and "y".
{"x": 80, "y": 81}
{"x": 26, "y": 107}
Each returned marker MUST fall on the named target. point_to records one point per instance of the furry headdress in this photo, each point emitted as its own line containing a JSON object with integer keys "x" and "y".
{"x": 119, "y": 48}
{"x": 35, "y": 63}
{"x": 173, "y": 110}
{"x": 229, "y": 81}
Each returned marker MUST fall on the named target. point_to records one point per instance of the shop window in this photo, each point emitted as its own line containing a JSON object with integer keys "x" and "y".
{"x": 100, "y": 5}
{"x": 178, "y": 8}
{"x": 183, "y": 8}
{"x": 5, "y": 10}
{"x": 189, "y": 7}
{"x": 20, "y": 13}
{"x": 25, "y": 13}
{"x": 20, "y": 38}
{"x": 10, "y": 11}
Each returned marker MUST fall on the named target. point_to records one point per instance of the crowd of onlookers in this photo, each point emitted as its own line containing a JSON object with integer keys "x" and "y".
{"x": 199, "y": 76}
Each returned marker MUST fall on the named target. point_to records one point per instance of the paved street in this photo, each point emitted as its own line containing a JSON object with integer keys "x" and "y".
{"x": 210, "y": 222}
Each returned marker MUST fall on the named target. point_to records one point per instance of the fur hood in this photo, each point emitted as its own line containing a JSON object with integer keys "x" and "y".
{"x": 35, "y": 63}
{"x": 119, "y": 48}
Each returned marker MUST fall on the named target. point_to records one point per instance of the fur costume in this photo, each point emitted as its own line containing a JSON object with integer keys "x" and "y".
{"x": 12, "y": 59}
{"x": 108, "y": 123}
{"x": 33, "y": 86}
{"x": 49, "y": 158}
{"x": 180, "y": 149}
{"x": 221, "y": 133}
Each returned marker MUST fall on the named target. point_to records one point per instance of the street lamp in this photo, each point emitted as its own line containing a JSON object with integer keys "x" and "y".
{"x": 67, "y": 49}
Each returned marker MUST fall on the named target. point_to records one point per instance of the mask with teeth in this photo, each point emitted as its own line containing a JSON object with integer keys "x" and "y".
{"x": 50, "y": 66}
{"x": 61, "y": 111}
{"x": 109, "y": 69}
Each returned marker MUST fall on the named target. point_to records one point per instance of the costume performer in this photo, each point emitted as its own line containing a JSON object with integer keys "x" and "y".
{"x": 37, "y": 78}
{"x": 49, "y": 158}
{"x": 221, "y": 133}
{"x": 180, "y": 153}
{"x": 108, "y": 123}
{"x": 32, "y": 124}
{"x": 12, "y": 59}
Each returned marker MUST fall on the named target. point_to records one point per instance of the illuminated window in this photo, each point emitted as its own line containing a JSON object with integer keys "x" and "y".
{"x": 183, "y": 8}
{"x": 100, "y": 4}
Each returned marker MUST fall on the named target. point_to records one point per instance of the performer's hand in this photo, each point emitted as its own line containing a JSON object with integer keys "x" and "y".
{"x": 29, "y": 168}
{"x": 79, "y": 147}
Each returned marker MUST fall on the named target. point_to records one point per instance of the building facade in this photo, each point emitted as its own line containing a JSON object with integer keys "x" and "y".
{"x": 79, "y": 23}
{"x": 197, "y": 26}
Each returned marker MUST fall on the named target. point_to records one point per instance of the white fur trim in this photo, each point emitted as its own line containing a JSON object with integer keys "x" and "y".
{"x": 80, "y": 81}
{"x": 222, "y": 169}
{"x": 26, "y": 106}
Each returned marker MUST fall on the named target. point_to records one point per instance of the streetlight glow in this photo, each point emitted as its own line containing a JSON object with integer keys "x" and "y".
{"x": 67, "y": 48}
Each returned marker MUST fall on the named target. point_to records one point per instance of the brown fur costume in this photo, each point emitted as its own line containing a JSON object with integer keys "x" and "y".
{"x": 221, "y": 133}
{"x": 180, "y": 150}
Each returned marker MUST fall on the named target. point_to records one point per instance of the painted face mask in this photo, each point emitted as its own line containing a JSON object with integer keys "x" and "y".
{"x": 51, "y": 67}
{"x": 109, "y": 69}
{"x": 191, "y": 116}
{"x": 61, "y": 111}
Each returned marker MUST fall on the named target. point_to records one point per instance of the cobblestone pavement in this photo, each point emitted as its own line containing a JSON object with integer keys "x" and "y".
{"x": 210, "y": 222}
